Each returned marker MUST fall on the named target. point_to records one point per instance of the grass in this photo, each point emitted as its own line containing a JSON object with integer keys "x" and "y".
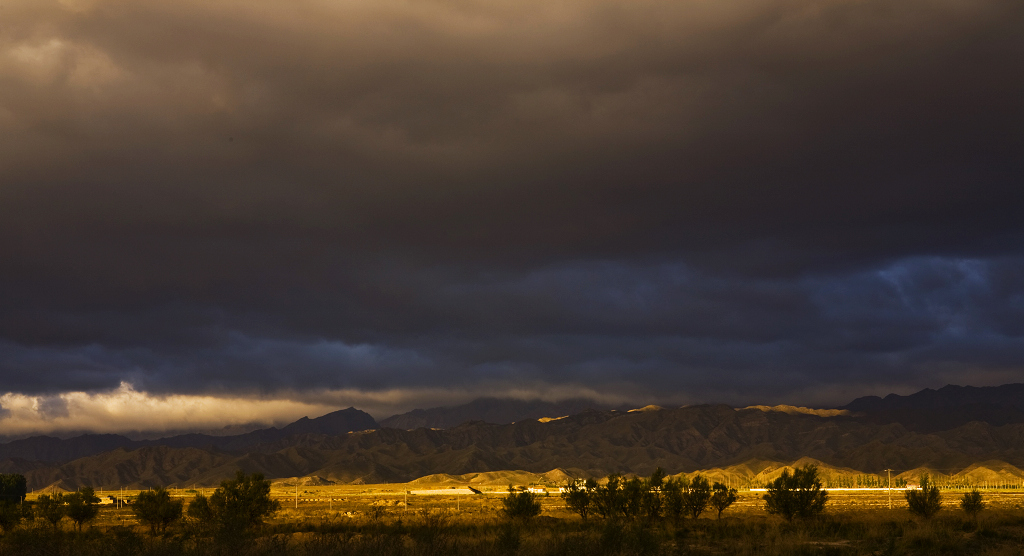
{"x": 375, "y": 520}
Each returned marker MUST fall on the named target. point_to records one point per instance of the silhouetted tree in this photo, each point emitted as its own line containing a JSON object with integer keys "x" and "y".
{"x": 926, "y": 501}
{"x": 51, "y": 508}
{"x": 243, "y": 503}
{"x": 578, "y": 495}
{"x": 200, "y": 515}
{"x": 156, "y": 509}
{"x": 82, "y": 506}
{"x": 650, "y": 500}
{"x": 672, "y": 494}
{"x": 797, "y": 495}
{"x": 722, "y": 497}
{"x": 972, "y": 504}
{"x": 608, "y": 498}
{"x": 13, "y": 488}
{"x": 697, "y": 497}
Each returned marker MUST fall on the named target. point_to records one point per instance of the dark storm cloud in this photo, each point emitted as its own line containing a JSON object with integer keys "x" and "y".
{"x": 775, "y": 199}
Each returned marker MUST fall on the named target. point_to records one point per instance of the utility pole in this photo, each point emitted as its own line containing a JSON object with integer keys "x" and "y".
{"x": 888, "y": 472}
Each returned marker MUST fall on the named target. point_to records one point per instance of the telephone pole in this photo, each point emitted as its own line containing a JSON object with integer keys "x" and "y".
{"x": 888, "y": 489}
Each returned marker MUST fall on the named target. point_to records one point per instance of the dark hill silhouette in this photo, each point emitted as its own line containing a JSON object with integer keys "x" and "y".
{"x": 946, "y": 408}
{"x": 50, "y": 449}
{"x": 56, "y": 450}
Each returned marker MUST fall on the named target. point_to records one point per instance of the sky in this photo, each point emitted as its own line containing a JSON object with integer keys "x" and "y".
{"x": 223, "y": 212}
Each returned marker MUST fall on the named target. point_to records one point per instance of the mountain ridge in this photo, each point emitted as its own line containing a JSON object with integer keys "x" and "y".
{"x": 55, "y": 450}
{"x": 347, "y": 446}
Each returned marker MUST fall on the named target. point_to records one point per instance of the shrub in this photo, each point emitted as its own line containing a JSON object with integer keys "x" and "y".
{"x": 972, "y": 504}
{"x": 578, "y": 496}
{"x": 51, "y": 508}
{"x": 796, "y": 495}
{"x": 520, "y": 504}
{"x": 672, "y": 492}
{"x": 12, "y": 493}
{"x": 156, "y": 509}
{"x": 241, "y": 504}
{"x": 650, "y": 498}
{"x": 925, "y": 502}
{"x": 608, "y": 498}
{"x": 13, "y": 488}
{"x": 82, "y": 506}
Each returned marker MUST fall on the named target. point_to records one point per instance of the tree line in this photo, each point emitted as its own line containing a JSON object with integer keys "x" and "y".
{"x": 236, "y": 507}
{"x": 647, "y": 499}
{"x": 242, "y": 504}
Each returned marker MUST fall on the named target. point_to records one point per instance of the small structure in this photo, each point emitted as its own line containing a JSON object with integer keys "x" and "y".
{"x": 443, "y": 492}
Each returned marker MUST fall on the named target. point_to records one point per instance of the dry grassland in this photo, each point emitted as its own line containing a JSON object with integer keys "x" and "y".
{"x": 386, "y": 520}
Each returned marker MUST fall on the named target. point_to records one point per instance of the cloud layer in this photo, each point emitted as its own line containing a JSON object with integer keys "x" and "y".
{"x": 687, "y": 201}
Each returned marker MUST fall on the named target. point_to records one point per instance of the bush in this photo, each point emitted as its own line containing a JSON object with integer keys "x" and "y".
{"x": 697, "y": 497}
{"x": 156, "y": 509}
{"x": 608, "y": 499}
{"x": 520, "y": 505}
{"x": 51, "y": 508}
{"x": 13, "y": 488}
{"x": 925, "y": 502}
{"x": 82, "y": 506}
{"x": 241, "y": 504}
{"x": 972, "y": 504}
{"x": 796, "y": 495}
{"x": 12, "y": 492}
{"x": 578, "y": 496}
{"x": 672, "y": 493}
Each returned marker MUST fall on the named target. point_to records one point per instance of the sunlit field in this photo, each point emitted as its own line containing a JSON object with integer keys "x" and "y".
{"x": 390, "y": 519}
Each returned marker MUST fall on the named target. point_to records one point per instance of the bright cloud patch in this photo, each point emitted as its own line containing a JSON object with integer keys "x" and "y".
{"x": 127, "y": 410}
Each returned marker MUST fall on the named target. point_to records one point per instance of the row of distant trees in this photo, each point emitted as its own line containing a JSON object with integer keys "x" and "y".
{"x": 241, "y": 504}
{"x": 238, "y": 506}
{"x": 647, "y": 499}
{"x": 799, "y": 494}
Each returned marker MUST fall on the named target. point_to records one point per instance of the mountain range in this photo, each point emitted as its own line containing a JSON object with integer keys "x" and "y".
{"x": 966, "y": 426}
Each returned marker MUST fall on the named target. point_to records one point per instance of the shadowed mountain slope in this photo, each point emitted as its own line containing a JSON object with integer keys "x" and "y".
{"x": 594, "y": 443}
{"x": 946, "y": 408}
{"x": 490, "y": 410}
{"x": 56, "y": 450}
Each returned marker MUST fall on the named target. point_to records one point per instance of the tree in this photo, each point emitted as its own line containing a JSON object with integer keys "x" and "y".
{"x": 797, "y": 495}
{"x": 12, "y": 493}
{"x": 926, "y": 501}
{"x": 650, "y": 500}
{"x": 199, "y": 509}
{"x": 82, "y": 506}
{"x": 972, "y": 504}
{"x": 156, "y": 509}
{"x": 578, "y": 496}
{"x": 608, "y": 498}
{"x": 51, "y": 508}
{"x": 697, "y": 497}
{"x": 243, "y": 503}
{"x": 672, "y": 493}
{"x": 13, "y": 488}
{"x": 200, "y": 514}
{"x": 520, "y": 504}
{"x": 722, "y": 497}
